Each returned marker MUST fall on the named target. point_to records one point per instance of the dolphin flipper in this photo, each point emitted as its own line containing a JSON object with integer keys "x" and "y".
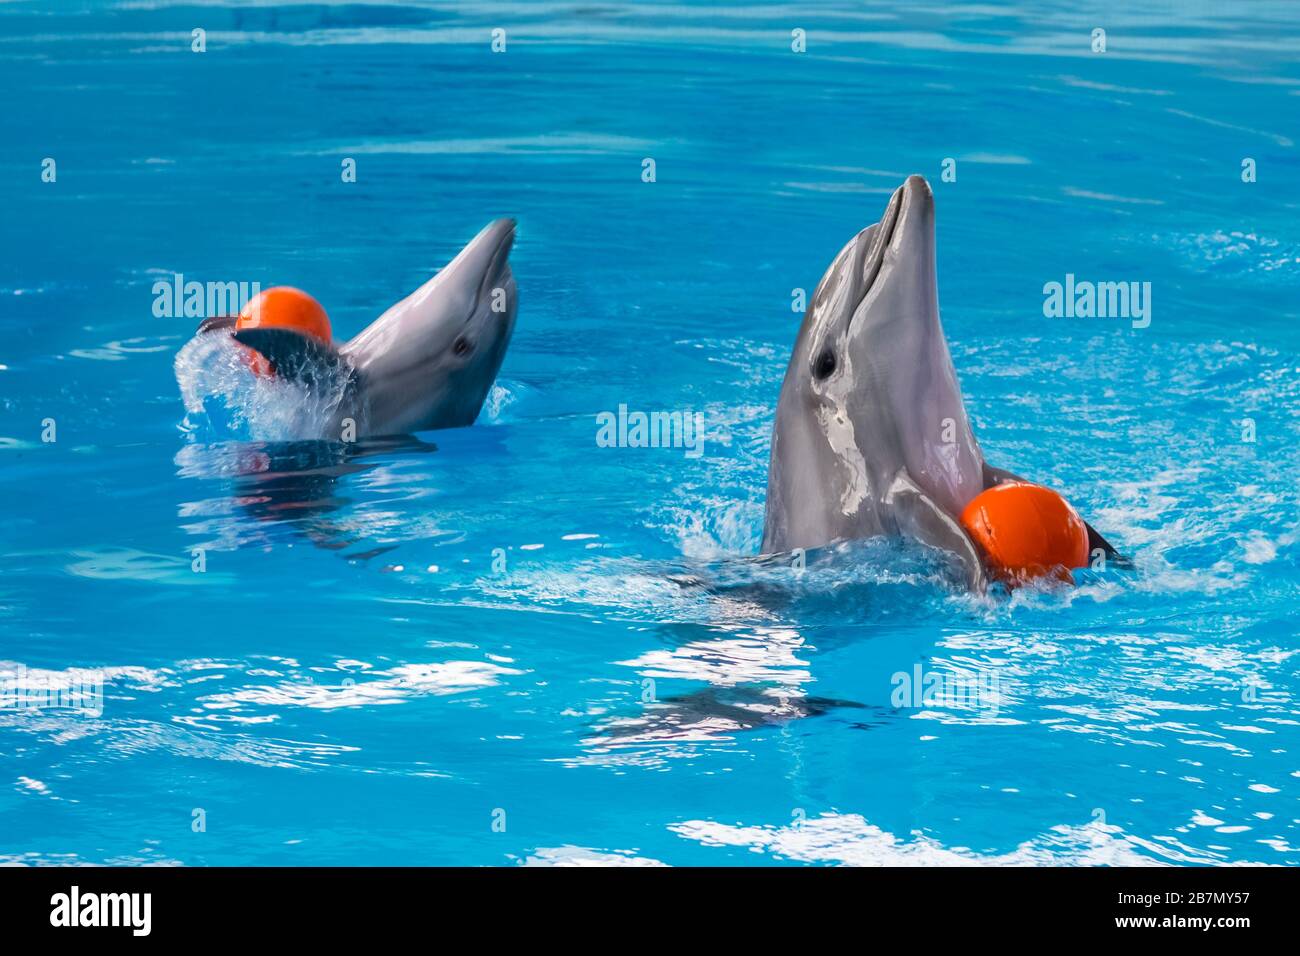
{"x": 996, "y": 476}
{"x": 1097, "y": 543}
{"x": 921, "y": 519}
{"x": 297, "y": 357}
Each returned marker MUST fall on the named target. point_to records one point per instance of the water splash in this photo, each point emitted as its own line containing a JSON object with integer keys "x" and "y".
{"x": 225, "y": 399}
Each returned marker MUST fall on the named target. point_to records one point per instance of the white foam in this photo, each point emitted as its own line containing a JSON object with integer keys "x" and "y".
{"x": 848, "y": 839}
{"x": 224, "y": 399}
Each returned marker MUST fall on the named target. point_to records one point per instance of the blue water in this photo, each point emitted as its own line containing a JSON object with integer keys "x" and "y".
{"x": 504, "y": 644}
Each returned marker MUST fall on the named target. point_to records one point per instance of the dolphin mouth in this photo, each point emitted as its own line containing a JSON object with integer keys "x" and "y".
{"x": 874, "y": 253}
{"x": 484, "y": 264}
{"x": 499, "y": 238}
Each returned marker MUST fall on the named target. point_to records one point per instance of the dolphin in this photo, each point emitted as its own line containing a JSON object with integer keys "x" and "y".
{"x": 425, "y": 363}
{"x": 871, "y": 434}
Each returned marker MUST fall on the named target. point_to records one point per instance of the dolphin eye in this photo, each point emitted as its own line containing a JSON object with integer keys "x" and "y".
{"x": 825, "y": 364}
{"x": 461, "y": 346}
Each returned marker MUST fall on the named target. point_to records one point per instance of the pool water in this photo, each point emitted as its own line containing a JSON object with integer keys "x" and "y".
{"x": 508, "y": 644}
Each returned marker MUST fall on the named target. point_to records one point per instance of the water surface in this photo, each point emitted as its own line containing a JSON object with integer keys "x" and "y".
{"x": 484, "y": 646}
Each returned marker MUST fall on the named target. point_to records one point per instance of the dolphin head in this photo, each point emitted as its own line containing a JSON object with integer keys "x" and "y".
{"x": 429, "y": 361}
{"x": 870, "y": 390}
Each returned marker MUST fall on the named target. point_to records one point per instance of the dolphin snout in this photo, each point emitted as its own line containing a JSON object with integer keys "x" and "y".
{"x": 484, "y": 263}
{"x": 917, "y": 183}
{"x": 898, "y": 250}
{"x": 490, "y": 251}
{"x": 906, "y": 228}
{"x": 917, "y": 205}
{"x": 917, "y": 215}
{"x": 501, "y": 233}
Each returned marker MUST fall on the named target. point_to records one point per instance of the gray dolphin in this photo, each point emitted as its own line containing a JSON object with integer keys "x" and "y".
{"x": 871, "y": 435}
{"x": 427, "y": 362}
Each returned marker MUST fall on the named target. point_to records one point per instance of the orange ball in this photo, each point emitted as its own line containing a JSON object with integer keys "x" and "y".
{"x": 283, "y": 307}
{"x": 1027, "y": 531}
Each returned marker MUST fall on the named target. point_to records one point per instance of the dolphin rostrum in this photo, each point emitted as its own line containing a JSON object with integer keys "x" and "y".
{"x": 871, "y": 435}
{"x": 427, "y": 362}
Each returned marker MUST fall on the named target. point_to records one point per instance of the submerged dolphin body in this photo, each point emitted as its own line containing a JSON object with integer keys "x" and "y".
{"x": 871, "y": 435}
{"x": 427, "y": 362}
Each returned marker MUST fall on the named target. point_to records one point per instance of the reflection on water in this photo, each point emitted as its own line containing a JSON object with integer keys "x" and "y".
{"x": 294, "y": 484}
{"x": 712, "y": 714}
